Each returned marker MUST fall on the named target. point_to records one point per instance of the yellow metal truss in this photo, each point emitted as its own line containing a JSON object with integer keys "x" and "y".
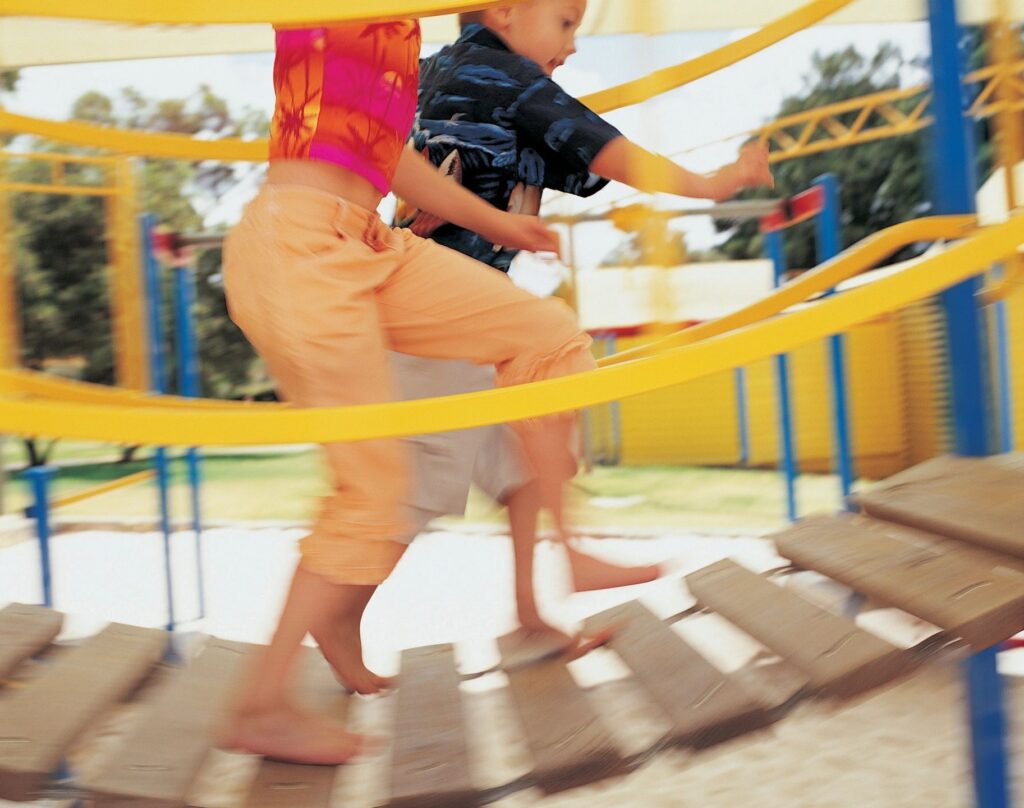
{"x": 886, "y": 114}
{"x": 114, "y": 183}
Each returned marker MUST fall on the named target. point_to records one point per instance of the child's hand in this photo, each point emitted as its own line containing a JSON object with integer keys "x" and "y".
{"x": 753, "y": 168}
{"x": 519, "y": 232}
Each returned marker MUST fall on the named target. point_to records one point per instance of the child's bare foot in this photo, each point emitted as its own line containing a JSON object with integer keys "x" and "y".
{"x": 536, "y": 641}
{"x": 590, "y": 573}
{"x": 342, "y": 646}
{"x": 290, "y": 735}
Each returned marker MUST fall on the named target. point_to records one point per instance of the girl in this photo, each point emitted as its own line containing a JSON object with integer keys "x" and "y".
{"x": 323, "y": 289}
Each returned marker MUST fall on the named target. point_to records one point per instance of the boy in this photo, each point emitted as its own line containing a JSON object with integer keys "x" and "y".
{"x": 491, "y": 118}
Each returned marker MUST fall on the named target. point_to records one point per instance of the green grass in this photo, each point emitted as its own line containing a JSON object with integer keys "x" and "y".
{"x": 286, "y": 486}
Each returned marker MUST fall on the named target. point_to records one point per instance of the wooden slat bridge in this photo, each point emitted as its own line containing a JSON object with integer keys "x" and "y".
{"x": 942, "y": 542}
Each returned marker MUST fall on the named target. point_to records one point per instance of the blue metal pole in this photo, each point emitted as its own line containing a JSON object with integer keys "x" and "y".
{"x": 829, "y": 243}
{"x": 614, "y": 410}
{"x": 158, "y": 372}
{"x": 774, "y": 249}
{"x": 39, "y": 478}
{"x": 188, "y": 385}
{"x": 953, "y": 174}
{"x": 742, "y": 414}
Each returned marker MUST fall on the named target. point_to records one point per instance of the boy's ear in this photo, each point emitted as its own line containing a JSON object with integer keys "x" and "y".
{"x": 499, "y": 17}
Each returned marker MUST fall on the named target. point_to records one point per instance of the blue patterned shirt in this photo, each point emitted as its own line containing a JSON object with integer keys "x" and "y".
{"x": 493, "y": 120}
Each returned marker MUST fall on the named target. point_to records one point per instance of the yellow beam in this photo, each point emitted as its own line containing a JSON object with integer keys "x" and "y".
{"x": 10, "y": 337}
{"x": 739, "y": 348}
{"x": 59, "y": 189}
{"x": 127, "y": 297}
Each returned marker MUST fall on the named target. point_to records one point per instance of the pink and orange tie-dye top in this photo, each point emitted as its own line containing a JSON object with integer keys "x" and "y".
{"x": 346, "y": 94}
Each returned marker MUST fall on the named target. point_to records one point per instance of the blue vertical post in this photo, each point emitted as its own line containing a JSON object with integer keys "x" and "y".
{"x": 742, "y": 414}
{"x": 774, "y": 248}
{"x": 614, "y": 410}
{"x": 954, "y": 188}
{"x": 188, "y": 385}
{"x": 39, "y": 479}
{"x": 158, "y": 372}
{"x": 829, "y": 243}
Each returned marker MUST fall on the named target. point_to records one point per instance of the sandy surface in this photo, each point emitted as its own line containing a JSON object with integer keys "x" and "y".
{"x": 903, "y": 747}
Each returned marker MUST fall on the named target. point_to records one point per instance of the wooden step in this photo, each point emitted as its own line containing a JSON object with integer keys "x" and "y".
{"x": 158, "y": 760}
{"x": 704, "y": 705}
{"x": 430, "y": 765}
{"x": 287, "y": 785}
{"x": 946, "y": 583}
{"x": 837, "y": 657}
{"x": 41, "y": 720}
{"x": 975, "y": 500}
{"x": 24, "y": 632}
{"x": 569, "y": 743}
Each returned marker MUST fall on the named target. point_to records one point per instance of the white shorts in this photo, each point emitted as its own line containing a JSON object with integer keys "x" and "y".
{"x": 444, "y": 464}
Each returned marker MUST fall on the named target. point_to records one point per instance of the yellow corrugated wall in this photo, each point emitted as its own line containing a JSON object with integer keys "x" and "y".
{"x": 922, "y": 344}
{"x": 696, "y": 423}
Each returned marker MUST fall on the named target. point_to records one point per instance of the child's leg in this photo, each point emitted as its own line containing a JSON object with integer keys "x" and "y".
{"x": 301, "y": 270}
{"x": 444, "y": 305}
{"x": 265, "y": 721}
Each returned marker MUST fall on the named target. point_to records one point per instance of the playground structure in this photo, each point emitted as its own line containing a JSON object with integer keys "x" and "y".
{"x": 40, "y": 406}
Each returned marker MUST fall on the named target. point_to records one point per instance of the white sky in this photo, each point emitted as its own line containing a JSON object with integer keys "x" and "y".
{"x": 730, "y": 102}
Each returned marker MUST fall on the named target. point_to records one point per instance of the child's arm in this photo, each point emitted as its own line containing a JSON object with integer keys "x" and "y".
{"x": 624, "y": 161}
{"x": 418, "y": 182}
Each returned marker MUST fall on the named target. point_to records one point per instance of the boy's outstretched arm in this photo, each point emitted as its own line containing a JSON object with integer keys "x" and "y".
{"x": 628, "y": 163}
{"x": 420, "y": 184}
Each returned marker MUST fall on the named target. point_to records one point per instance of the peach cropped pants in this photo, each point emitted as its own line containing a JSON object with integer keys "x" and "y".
{"x": 323, "y": 289}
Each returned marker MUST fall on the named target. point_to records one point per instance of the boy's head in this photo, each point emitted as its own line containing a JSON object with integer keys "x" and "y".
{"x": 541, "y": 30}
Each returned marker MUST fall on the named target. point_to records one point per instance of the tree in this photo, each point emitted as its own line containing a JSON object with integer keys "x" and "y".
{"x": 60, "y": 249}
{"x": 881, "y": 183}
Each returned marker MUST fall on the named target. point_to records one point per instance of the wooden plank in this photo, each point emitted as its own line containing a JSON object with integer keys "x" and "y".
{"x": 286, "y": 785}
{"x": 703, "y": 704}
{"x": 936, "y": 581}
{"x": 975, "y": 500}
{"x": 24, "y": 632}
{"x": 570, "y": 745}
{"x": 39, "y": 721}
{"x": 837, "y": 657}
{"x": 158, "y": 760}
{"x": 430, "y": 765}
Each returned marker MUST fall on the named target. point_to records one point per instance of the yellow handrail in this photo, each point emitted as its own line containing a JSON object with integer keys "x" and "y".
{"x": 105, "y": 488}
{"x": 844, "y": 266}
{"x": 671, "y": 78}
{"x": 848, "y": 264}
{"x": 157, "y": 144}
{"x": 334, "y": 424}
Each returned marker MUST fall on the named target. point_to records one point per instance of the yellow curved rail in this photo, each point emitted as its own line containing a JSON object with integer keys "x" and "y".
{"x": 848, "y": 264}
{"x": 779, "y": 335}
{"x": 671, "y": 78}
{"x": 232, "y": 12}
{"x": 137, "y": 143}
{"x": 184, "y": 147}
{"x": 853, "y": 261}
{"x": 40, "y": 385}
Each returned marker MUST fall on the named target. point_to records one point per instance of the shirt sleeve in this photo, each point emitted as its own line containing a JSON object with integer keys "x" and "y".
{"x": 560, "y": 137}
